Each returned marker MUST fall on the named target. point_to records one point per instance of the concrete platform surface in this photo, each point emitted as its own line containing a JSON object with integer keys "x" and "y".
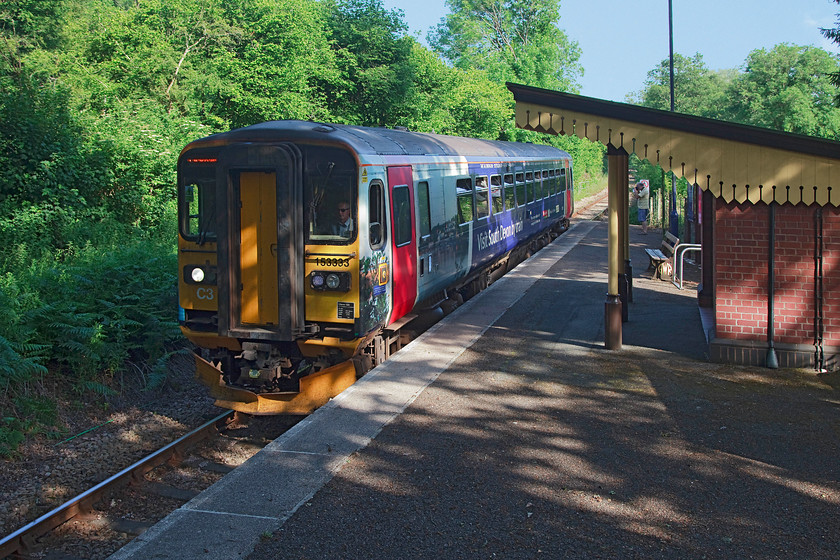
{"x": 508, "y": 431}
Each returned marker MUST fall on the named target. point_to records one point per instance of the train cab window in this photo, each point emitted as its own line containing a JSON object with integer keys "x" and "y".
{"x": 463, "y": 189}
{"x": 198, "y": 199}
{"x": 423, "y": 209}
{"x": 199, "y": 203}
{"x": 330, "y": 179}
{"x": 510, "y": 192}
{"x": 521, "y": 196}
{"x": 377, "y": 233}
{"x": 482, "y": 192}
{"x": 529, "y": 180}
{"x": 402, "y": 215}
{"x": 496, "y": 194}
{"x": 562, "y": 180}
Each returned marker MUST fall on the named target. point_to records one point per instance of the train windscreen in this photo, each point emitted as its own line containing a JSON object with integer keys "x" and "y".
{"x": 329, "y": 195}
{"x": 198, "y": 199}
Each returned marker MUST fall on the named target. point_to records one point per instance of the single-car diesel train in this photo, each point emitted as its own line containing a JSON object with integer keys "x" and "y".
{"x": 308, "y": 252}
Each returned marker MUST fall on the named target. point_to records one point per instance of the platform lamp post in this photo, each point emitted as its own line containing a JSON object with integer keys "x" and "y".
{"x": 671, "y": 47}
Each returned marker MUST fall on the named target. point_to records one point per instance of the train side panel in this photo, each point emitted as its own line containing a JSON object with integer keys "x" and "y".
{"x": 277, "y": 296}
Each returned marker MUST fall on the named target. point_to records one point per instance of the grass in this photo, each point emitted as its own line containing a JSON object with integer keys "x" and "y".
{"x": 589, "y": 185}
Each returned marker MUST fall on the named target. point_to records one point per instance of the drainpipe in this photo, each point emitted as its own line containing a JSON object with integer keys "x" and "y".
{"x": 819, "y": 326}
{"x": 772, "y": 358}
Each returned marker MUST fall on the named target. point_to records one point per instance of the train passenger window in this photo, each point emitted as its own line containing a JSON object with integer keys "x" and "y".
{"x": 521, "y": 196}
{"x": 552, "y": 180}
{"x": 529, "y": 179}
{"x": 510, "y": 192}
{"x": 463, "y": 189}
{"x": 562, "y": 180}
{"x": 546, "y": 184}
{"x": 496, "y": 194}
{"x": 423, "y": 209}
{"x": 402, "y": 215}
{"x": 482, "y": 204}
{"x": 376, "y": 211}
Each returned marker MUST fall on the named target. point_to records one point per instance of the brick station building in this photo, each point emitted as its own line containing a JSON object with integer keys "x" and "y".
{"x": 770, "y": 231}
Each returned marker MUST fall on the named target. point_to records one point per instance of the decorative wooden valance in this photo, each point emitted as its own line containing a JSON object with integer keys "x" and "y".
{"x": 735, "y": 162}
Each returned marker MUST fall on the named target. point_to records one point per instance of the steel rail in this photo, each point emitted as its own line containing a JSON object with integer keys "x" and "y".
{"x": 22, "y": 540}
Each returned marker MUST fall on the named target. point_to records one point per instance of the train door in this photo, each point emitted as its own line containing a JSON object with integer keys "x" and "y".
{"x": 403, "y": 241}
{"x": 263, "y": 251}
{"x": 258, "y": 247}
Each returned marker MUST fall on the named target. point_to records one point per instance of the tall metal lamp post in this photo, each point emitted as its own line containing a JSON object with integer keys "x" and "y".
{"x": 671, "y": 46}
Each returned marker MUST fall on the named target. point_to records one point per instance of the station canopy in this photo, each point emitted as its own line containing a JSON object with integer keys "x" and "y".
{"x": 735, "y": 162}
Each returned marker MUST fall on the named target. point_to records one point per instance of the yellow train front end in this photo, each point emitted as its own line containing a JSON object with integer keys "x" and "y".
{"x": 268, "y": 288}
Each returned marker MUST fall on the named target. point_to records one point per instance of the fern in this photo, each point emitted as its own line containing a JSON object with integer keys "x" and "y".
{"x": 160, "y": 372}
{"x": 19, "y": 363}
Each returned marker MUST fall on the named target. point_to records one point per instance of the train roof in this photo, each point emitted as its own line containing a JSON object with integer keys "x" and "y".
{"x": 383, "y": 141}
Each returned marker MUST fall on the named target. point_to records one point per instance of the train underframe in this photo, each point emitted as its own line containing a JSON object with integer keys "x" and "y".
{"x": 266, "y": 378}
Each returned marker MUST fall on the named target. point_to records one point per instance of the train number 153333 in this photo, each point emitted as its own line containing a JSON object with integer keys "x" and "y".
{"x": 324, "y": 261}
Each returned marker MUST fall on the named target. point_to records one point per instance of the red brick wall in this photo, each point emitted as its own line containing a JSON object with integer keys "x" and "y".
{"x": 831, "y": 275}
{"x": 741, "y": 272}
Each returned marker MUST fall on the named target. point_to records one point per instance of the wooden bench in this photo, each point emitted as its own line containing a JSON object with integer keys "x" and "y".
{"x": 660, "y": 259}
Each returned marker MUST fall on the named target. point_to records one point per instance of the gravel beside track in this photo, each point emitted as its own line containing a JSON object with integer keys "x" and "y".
{"x": 47, "y": 472}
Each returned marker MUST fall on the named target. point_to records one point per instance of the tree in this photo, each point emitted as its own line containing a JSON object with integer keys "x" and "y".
{"x": 448, "y": 100}
{"x": 834, "y": 36}
{"x": 512, "y": 40}
{"x": 697, "y": 90}
{"x": 26, "y": 25}
{"x": 787, "y": 88}
{"x": 372, "y": 55}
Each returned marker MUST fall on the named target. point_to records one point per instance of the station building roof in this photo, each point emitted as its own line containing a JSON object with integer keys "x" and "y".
{"x": 735, "y": 162}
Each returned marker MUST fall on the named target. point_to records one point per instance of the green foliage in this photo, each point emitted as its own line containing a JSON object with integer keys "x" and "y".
{"x": 787, "y": 88}
{"x": 512, "y": 40}
{"x": 697, "y": 90}
{"x": 35, "y": 415}
{"x": 98, "y": 97}
{"x": 372, "y": 55}
{"x": 833, "y": 35}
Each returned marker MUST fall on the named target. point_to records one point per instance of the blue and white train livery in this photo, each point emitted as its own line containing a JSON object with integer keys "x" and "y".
{"x": 305, "y": 248}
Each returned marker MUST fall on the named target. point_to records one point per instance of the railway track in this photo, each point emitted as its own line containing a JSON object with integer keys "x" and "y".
{"x": 591, "y": 207}
{"x": 103, "y": 518}
{"x": 114, "y": 511}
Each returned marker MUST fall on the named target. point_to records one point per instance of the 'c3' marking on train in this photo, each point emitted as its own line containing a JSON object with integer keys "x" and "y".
{"x": 205, "y": 293}
{"x": 383, "y": 274}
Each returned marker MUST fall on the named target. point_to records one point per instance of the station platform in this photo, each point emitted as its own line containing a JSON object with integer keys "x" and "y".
{"x": 508, "y": 431}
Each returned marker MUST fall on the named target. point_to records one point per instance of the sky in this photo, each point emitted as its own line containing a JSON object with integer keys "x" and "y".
{"x": 622, "y": 41}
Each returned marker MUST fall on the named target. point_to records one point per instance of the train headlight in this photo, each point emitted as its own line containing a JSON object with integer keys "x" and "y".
{"x": 324, "y": 280}
{"x": 200, "y": 274}
{"x": 197, "y": 275}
